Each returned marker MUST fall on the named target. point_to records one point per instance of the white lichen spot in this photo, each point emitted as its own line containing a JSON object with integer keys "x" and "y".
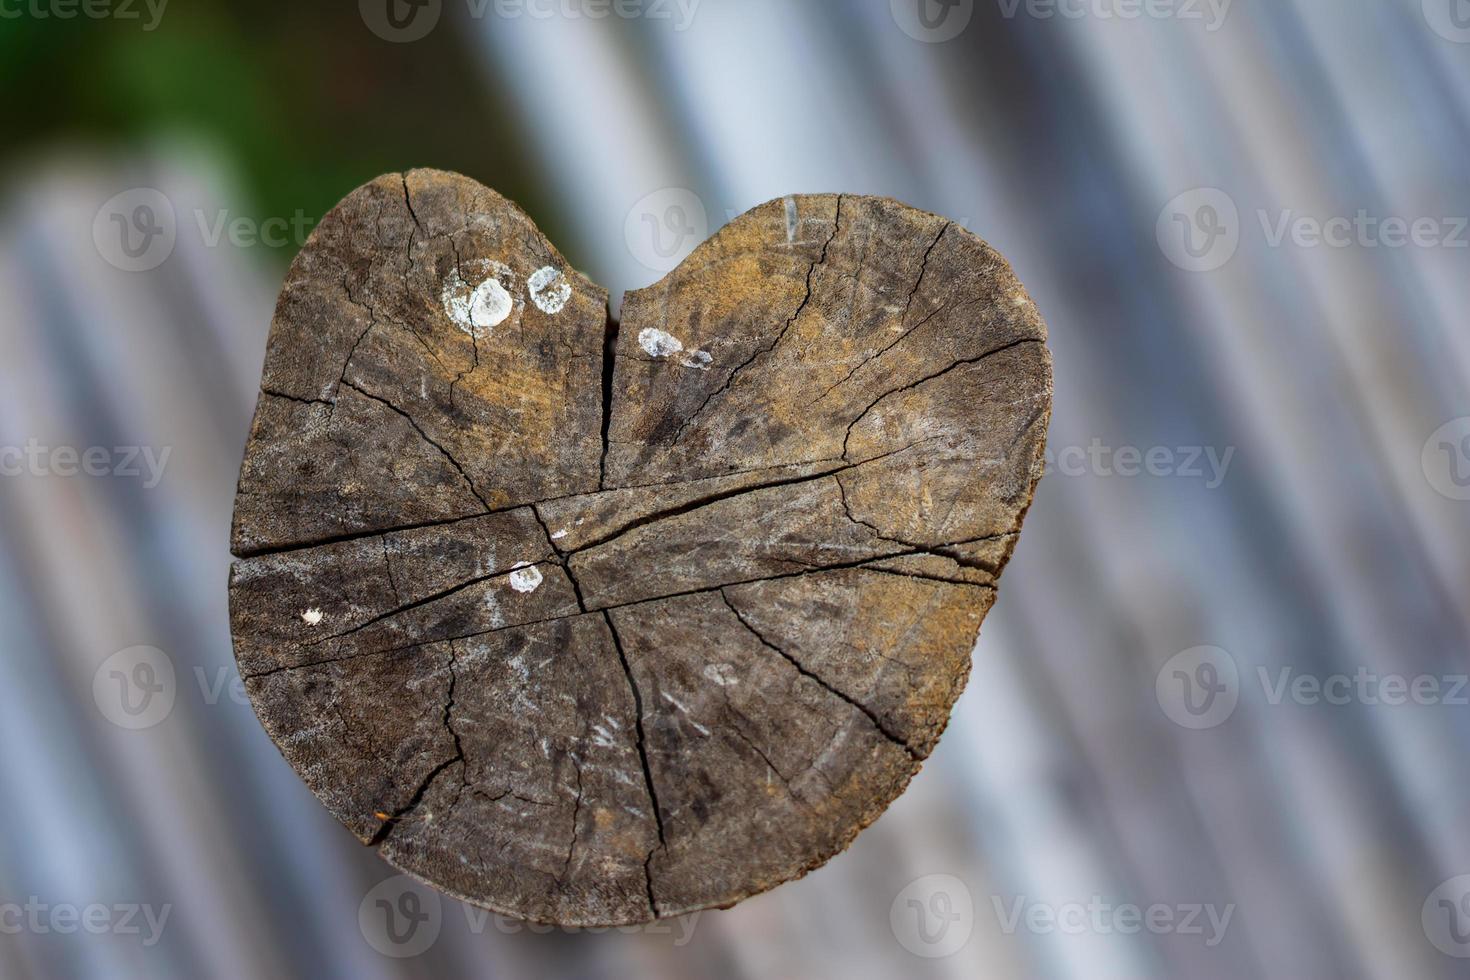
{"x": 549, "y": 289}
{"x": 490, "y": 304}
{"x": 559, "y": 535}
{"x": 525, "y": 577}
{"x": 311, "y": 617}
{"x": 478, "y": 308}
{"x": 660, "y": 343}
{"x": 721, "y": 674}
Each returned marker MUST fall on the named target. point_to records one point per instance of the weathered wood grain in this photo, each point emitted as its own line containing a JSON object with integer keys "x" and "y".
{"x": 594, "y": 623}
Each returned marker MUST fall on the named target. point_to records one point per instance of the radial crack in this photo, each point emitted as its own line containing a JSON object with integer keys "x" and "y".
{"x": 801, "y": 307}
{"x": 643, "y": 758}
{"x": 868, "y": 712}
{"x": 425, "y": 436}
{"x": 923, "y": 267}
{"x": 937, "y": 374}
{"x": 409, "y": 607}
{"x": 392, "y": 820}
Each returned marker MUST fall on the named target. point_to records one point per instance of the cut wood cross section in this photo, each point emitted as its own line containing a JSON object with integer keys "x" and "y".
{"x": 592, "y": 623}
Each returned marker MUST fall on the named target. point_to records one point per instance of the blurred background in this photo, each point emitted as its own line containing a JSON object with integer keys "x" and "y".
{"x": 1218, "y": 721}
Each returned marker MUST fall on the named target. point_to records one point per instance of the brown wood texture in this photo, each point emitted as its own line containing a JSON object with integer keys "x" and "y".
{"x": 593, "y": 646}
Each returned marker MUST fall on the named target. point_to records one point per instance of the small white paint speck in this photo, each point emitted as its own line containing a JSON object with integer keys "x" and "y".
{"x": 721, "y": 674}
{"x": 549, "y": 289}
{"x": 559, "y": 535}
{"x": 492, "y": 605}
{"x": 659, "y": 343}
{"x": 312, "y": 617}
{"x": 525, "y": 578}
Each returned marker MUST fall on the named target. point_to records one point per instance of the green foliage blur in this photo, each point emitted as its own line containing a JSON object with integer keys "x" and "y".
{"x": 303, "y": 102}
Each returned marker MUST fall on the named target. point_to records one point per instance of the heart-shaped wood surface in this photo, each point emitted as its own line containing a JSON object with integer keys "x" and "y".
{"x": 593, "y": 624}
